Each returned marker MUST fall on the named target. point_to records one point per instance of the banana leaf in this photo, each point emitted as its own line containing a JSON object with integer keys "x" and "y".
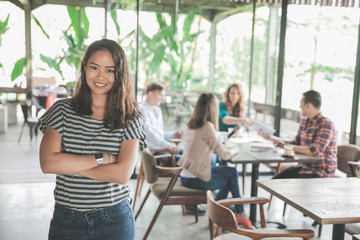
{"x": 40, "y": 26}
{"x": 18, "y": 69}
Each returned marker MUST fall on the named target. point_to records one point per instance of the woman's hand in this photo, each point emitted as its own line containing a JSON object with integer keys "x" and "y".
{"x": 246, "y": 121}
{"x": 277, "y": 141}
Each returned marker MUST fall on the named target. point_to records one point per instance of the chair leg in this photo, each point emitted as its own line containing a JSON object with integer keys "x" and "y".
{"x": 142, "y": 204}
{"x": 284, "y": 209}
{"x": 243, "y": 177}
{"x": 21, "y": 131}
{"x": 183, "y": 207}
{"x": 320, "y": 228}
{"x": 277, "y": 171}
{"x": 139, "y": 184}
{"x": 32, "y": 131}
{"x": 157, "y": 213}
{"x": 211, "y": 229}
{"x": 196, "y": 213}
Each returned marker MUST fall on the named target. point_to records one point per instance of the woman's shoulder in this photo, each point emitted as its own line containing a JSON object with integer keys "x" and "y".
{"x": 66, "y": 102}
{"x": 208, "y": 126}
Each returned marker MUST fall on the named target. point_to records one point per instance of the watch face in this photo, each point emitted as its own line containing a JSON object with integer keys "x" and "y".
{"x": 99, "y": 155}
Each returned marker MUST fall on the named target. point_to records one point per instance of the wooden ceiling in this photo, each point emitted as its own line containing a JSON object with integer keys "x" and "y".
{"x": 209, "y": 8}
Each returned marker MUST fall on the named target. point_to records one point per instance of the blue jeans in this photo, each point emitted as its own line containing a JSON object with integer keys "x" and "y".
{"x": 293, "y": 172}
{"x": 224, "y": 178}
{"x": 115, "y": 222}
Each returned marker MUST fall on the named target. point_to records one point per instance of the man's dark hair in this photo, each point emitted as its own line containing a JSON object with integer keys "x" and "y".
{"x": 153, "y": 86}
{"x": 312, "y": 97}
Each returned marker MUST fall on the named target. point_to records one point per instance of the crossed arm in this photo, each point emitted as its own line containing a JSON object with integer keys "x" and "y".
{"x": 115, "y": 168}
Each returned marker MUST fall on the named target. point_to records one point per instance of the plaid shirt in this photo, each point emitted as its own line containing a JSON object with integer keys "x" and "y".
{"x": 319, "y": 135}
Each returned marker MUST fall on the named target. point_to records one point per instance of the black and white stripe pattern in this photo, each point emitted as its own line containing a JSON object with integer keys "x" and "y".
{"x": 83, "y": 135}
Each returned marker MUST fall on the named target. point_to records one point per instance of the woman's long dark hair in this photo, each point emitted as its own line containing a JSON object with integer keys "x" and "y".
{"x": 239, "y": 109}
{"x": 206, "y": 110}
{"x": 121, "y": 106}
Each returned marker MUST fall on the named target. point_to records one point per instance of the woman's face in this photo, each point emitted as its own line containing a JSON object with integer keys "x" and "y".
{"x": 234, "y": 95}
{"x": 100, "y": 72}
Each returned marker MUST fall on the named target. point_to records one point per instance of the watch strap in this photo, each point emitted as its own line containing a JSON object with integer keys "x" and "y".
{"x": 99, "y": 157}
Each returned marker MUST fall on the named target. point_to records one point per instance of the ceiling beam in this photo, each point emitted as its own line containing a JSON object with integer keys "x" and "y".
{"x": 17, "y": 3}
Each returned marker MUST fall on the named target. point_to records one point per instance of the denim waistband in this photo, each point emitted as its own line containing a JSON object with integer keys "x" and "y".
{"x": 101, "y": 211}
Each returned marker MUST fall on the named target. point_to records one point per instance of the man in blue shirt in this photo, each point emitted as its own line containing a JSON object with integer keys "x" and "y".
{"x": 156, "y": 137}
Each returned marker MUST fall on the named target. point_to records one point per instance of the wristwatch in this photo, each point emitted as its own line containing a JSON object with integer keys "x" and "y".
{"x": 99, "y": 158}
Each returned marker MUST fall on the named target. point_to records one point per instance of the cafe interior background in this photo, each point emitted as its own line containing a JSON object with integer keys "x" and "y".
{"x": 191, "y": 47}
{"x": 275, "y": 50}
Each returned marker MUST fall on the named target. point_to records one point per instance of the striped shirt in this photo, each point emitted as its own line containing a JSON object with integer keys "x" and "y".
{"x": 318, "y": 133}
{"x": 83, "y": 135}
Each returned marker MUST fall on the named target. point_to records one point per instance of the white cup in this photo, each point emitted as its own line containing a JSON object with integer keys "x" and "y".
{"x": 288, "y": 149}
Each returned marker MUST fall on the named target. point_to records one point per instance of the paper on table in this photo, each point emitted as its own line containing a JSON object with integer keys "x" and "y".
{"x": 262, "y": 128}
{"x": 263, "y": 145}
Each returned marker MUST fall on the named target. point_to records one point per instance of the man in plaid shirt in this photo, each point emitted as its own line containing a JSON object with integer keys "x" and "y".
{"x": 316, "y": 137}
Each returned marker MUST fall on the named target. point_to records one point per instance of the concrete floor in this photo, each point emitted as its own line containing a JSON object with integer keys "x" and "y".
{"x": 26, "y": 200}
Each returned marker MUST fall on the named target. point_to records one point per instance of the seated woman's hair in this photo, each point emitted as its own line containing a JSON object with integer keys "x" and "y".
{"x": 206, "y": 110}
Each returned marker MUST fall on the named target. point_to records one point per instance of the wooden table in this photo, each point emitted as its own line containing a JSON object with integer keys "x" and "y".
{"x": 326, "y": 200}
{"x": 248, "y": 155}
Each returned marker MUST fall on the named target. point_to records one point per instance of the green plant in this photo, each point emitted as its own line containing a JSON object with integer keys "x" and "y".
{"x": 4, "y": 26}
{"x": 170, "y": 47}
{"x": 75, "y": 36}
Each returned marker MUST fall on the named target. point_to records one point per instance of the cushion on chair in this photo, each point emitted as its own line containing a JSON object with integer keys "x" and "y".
{"x": 149, "y": 164}
{"x": 347, "y": 153}
{"x": 159, "y": 188}
{"x": 231, "y": 236}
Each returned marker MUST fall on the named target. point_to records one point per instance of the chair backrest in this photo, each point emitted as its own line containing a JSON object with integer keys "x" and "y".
{"x": 149, "y": 163}
{"x": 220, "y": 215}
{"x": 25, "y": 111}
{"x": 346, "y": 153}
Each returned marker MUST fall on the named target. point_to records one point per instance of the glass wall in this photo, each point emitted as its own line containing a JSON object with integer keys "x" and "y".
{"x": 175, "y": 48}
{"x": 320, "y": 54}
{"x": 12, "y": 43}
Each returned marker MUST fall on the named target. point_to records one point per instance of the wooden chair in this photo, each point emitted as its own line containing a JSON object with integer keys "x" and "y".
{"x": 169, "y": 192}
{"x": 356, "y": 237}
{"x": 354, "y": 228}
{"x": 355, "y": 168}
{"x": 163, "y": 158}
{"x": 347, "y": 153}
{"x": 224, "y": 218}
{"x": 28, "y": 120}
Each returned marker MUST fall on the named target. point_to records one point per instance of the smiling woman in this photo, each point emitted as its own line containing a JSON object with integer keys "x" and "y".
{"x": 100, "y": 73}
{"x": 91, "y": 142}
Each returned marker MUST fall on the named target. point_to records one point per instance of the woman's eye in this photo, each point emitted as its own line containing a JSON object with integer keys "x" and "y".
{"x": 93, "y": 67}
{"x": 110, "y": 70}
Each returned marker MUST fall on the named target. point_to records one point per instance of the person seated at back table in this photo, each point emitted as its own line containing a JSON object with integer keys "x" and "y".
{"x": 156, "y": 137}
{"x": 231, "y": 112}
{"x": 316, "y": 137}
{"x": 232, "y": 109}
{"x": 200, "y": 143}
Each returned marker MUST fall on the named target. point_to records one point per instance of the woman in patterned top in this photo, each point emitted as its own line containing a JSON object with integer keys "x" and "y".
{"x": 232, "y": 109}
{"x": 91, "y": 143}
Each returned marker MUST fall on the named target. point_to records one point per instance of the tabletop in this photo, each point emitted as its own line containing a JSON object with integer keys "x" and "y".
{"x": 263, "y": 152}
{"x": 326, "y": 200}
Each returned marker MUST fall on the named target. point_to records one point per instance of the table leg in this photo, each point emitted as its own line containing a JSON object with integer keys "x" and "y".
{"x": 338, "y": 231}
{"x": 254, "y": 177}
